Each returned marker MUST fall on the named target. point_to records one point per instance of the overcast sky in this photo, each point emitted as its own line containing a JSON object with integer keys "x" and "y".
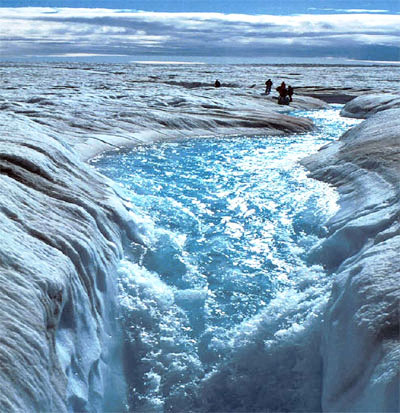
{"x": 195, "y": 30}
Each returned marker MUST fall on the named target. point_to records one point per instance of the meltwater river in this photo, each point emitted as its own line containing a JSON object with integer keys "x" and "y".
{"x": 215, "y": 302}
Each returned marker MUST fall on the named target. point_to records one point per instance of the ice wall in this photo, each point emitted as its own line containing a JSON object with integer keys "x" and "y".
{"x": 60, "y": 234}
{"x": 361, "y": 346}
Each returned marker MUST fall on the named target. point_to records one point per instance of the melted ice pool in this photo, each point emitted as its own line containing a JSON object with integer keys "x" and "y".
{"x": 227, "y": 225}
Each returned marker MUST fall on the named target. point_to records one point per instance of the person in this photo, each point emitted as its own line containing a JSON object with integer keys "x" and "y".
{"x": 282, "y": 89}
{"x": 268, "y": 86}
{"x": 283, "y": 94}
{"x": 217, "y": 83}
{"x": 290, "y": 93}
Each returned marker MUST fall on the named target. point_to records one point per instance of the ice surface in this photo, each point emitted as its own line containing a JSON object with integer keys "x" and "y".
{"x": 63, "y": 229}
{"x": 361, "y": 349}
{"x": 60, "y": 232}
{"x": 366, "y": 105}
{"x": 98, "y": 107}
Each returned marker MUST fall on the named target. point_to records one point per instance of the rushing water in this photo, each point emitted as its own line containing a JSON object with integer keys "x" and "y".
{"x": 227, "y": 225}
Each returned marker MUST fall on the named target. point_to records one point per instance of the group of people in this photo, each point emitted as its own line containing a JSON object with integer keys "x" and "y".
{"x": 285, "y": 93}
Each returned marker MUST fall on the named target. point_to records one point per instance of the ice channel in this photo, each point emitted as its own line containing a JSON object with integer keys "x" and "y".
{"x": 221, "y": 307}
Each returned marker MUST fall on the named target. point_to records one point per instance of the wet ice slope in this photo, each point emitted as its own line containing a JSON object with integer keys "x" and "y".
{"x": 361, "y": 346}
{"x": 221, "y": 303}
{"x": 60, "y": 241}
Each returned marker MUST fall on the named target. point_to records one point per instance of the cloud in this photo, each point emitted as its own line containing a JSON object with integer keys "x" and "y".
{"x": 358, "y": 11}
{"x": 365, "y": 11}
{"x": 62, "y": 31}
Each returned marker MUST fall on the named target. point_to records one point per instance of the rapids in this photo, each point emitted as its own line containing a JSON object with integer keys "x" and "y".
{"x": 227, "y": 226}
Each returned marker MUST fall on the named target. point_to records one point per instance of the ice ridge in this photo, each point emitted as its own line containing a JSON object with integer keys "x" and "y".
{"x": 360, "y": 345}
{"x": 60, "y": 241}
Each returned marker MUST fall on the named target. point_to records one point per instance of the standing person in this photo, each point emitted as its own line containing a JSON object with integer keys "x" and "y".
{"x": 282, "y": 89}
{"x": 290, "y": 91}
{"x": 268, "y": 86}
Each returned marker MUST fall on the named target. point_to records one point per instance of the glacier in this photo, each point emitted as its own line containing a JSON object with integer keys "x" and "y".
{"x": 64, "y": 230}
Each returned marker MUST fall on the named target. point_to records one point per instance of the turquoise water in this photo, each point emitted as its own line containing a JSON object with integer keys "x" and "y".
{"x": 227, "y": 225}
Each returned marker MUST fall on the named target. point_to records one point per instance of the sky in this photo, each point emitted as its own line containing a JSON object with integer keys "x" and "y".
{"x": 265, "y": 31}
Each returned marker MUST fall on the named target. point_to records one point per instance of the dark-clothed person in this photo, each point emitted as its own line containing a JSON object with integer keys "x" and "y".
{"x": 290, "y": 93}
{"x": 268, "y": 86}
